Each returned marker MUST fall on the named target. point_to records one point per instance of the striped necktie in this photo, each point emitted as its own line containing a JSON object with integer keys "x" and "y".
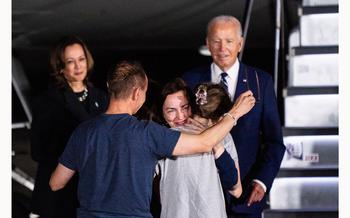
{"x": 223, "y": 80}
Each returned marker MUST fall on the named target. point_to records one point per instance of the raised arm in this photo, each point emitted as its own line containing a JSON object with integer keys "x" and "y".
{"x": 204, "y": 142}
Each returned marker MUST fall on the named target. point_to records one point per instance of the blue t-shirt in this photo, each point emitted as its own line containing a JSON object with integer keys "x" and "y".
{"x": 115, "y": 156}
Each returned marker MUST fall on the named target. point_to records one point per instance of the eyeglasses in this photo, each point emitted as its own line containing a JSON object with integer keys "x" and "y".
{"x": 245, "y": 80}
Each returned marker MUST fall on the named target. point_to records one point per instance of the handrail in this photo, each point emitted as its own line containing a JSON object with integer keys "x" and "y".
{"x": 247, "y": 15}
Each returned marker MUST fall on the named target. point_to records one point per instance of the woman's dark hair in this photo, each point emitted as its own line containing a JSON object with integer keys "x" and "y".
{"x": 212, "y": 101}
{"x": 57, "y": 59}
{"x": 172, "y": 87}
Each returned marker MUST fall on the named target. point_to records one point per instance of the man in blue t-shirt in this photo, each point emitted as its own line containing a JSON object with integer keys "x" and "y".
{"x": 115, "y": 154}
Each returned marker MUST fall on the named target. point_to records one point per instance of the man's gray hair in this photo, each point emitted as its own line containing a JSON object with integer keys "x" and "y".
{"x": 224, "y": 18}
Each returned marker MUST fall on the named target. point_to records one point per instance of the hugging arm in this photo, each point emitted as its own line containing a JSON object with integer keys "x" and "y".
{"x": 204, "y": 142}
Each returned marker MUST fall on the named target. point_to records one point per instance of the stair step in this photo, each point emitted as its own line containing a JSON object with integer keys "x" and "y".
{"x": 295, "y": 48}
{"x": 300, "y": 214}
{"x": 319, "y": 2}
{"x": 311, "y": 110}
{"x": 319, "y": 9}
{"x": 311, "y": 152}
{"x": 308, "y": 193}
{"x": 305, "y": 50}
{"x": 319, "y": 29}
{"x": 313, "y": 70}
{"x": 304, "y": 172}
{"x": 318, "y": 90}
{"x": 297, "y": 131}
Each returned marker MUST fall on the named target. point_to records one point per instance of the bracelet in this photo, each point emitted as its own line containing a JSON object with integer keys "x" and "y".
{"x": 230, "y": 115}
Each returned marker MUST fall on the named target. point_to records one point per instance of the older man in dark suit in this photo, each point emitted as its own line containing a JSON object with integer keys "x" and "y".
{"x": 258, "y": 135}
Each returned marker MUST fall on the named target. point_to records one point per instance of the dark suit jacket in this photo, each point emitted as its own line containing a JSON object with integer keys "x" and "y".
{"x": 257, "y": 135}
{"x": 56, "y": 113}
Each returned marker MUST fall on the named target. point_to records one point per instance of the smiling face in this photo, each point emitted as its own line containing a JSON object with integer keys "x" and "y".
{"x": 176, "y": 109}
{"x": 75, "y": 63}
{"x": 224, "y": 43}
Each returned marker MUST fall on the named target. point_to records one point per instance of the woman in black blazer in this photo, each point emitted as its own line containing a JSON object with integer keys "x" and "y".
{"x": 56, "y": 113}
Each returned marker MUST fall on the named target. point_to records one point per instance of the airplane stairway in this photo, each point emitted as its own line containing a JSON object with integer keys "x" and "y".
{"x": 307, "y": 184}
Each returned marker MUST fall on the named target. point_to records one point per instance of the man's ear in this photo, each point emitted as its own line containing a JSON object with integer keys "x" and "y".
{"x": 241, "y": 41}
{"x": 135, "y": 93}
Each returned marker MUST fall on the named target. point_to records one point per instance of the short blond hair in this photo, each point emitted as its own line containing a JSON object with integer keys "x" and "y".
{"x": 124, "y": 77}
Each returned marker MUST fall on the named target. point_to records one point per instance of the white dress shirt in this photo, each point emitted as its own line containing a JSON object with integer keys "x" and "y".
{"x": 231, "y": 78}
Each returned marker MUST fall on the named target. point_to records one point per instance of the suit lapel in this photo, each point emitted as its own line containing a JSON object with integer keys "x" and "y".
{"x": 95, "y": 106}
{"x": 207, "y": 76}
{"x": 241, "y": 86}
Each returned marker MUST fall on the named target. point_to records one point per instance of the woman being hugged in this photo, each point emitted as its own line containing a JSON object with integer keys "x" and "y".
{"x": 191, "y": 185}
{"x": 212, "y": 103}
{"x": 56, "y": 113}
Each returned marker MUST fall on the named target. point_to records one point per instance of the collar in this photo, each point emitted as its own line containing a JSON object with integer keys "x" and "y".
{"x": 232, "y": 71}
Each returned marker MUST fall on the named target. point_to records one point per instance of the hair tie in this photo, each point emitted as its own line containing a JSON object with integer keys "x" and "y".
{"x": 201, "y": 95}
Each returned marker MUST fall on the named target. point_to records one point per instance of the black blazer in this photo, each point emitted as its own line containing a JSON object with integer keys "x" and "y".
{"x": 56, "y": 113}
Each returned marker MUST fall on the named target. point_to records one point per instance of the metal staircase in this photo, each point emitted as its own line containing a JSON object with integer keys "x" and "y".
{"x": 307, "y": 184}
